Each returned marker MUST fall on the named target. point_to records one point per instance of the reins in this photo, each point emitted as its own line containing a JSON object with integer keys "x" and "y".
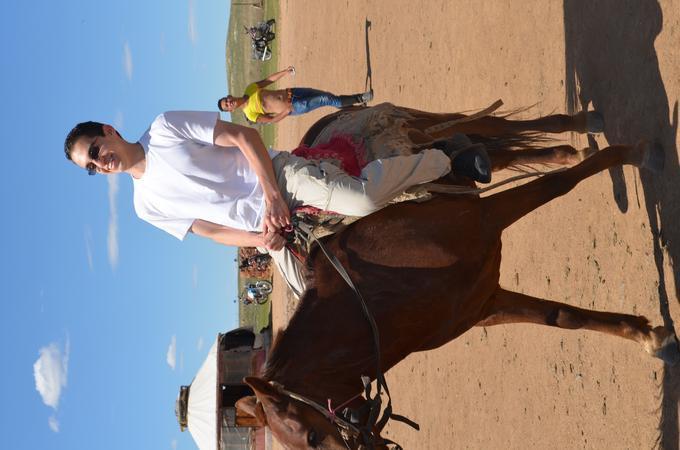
{"x": 375, "y": 422}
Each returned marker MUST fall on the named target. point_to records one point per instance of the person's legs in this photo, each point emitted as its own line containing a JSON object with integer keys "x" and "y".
{"x": 305, "y": 100}
{"x": 325, "y": 186}
{"x": 382, "y": 180}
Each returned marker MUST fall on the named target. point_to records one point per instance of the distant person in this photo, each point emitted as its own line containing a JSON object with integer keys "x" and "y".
{"x": 264, "y": 106}
{"x": 195, "y": 173}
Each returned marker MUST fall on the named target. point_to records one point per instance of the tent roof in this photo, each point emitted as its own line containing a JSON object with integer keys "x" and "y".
{"x": 202, "y": 407}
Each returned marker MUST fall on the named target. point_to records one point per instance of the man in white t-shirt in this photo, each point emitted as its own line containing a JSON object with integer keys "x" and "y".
{"x": 193, "y": 172}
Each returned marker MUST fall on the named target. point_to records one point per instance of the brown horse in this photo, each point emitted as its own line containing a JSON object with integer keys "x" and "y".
{"x": 387, "y": 130}
{"x": 429, "y": 272}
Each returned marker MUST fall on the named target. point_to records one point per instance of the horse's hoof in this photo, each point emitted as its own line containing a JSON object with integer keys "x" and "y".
{"x": 668, "y": 349}
{"x": 653, "y": 157}
{"x": 594, "y": 122}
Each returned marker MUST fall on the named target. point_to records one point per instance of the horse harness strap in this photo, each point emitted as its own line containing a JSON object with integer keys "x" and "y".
{"x": 305, "y": 233}
{"x": 483, "y": 113}
{"x": 348, "y": 429}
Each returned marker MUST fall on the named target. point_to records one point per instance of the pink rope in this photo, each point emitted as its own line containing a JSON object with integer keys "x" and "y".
{"x": 332, "y": 410}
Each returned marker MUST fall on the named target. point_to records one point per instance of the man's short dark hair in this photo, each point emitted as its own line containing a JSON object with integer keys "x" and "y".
{"x": 89, "y": 129}
{"x": 219, "y": 104}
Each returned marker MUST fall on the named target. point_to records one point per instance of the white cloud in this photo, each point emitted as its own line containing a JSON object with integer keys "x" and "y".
{"x": 193, "y": 34}
{"x": 51, "y": 372}
{"x": 112, "y": 237}
{"x": 171, "y": 356}
{"x": 127, "y": 60}
{"x": 119, "y": 120}
{"x": 199, "y": 344}
{"x": 53, "y": 423}
{"x": 173, "y": 444}
{"x": 88, "y": 247}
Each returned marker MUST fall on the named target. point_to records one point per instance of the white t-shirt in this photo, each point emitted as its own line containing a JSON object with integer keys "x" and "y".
{"x": 187, "y": 177}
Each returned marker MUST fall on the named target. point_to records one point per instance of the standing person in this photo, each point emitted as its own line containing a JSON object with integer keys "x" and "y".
{"x": 261, "y": 105}
{"x": 194, "y": 173}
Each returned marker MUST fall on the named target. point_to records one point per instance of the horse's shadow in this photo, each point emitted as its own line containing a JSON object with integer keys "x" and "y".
{"x": 611, "y": 62}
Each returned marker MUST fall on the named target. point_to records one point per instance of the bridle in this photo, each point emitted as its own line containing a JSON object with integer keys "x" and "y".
{"x": 367, "y": 435}
{"x": 348, "y": 430}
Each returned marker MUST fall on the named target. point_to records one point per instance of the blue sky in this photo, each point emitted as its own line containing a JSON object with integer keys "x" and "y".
{"x": 104, "y": 315}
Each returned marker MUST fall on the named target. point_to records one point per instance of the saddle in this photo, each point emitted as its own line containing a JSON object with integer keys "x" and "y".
{"x": 349, "y": 155}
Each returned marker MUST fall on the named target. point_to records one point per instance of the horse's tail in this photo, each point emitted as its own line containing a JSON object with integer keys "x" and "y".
{"x": 524, "y": 140}
{"x": 515, "y": 141}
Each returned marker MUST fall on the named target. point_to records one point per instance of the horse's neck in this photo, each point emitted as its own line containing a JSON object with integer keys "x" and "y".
{"x": 319, "y": 358}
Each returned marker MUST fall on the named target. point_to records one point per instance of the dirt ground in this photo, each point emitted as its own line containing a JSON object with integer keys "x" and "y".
{"x": 611, "y": 244}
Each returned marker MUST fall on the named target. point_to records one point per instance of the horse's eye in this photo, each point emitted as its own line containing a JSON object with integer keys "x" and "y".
{"x": 312, "y": 439}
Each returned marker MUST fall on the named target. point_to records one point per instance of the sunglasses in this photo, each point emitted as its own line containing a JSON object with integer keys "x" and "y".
{"x": 93, "y": 153}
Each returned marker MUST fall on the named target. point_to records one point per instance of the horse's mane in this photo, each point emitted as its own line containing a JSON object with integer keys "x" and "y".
{"x": 279, "y": 358}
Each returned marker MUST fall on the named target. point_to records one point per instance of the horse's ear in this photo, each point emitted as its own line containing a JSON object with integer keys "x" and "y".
{"x": 265, "y": 391}
{"x": 249, "y": 407}
{"x": 261, "y": 386}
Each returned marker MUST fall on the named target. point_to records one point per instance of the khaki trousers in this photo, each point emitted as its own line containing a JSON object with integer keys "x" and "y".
{"x": 325, "y": 186}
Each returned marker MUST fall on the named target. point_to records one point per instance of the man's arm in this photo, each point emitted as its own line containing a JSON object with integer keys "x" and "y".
{"x": 276, "y": 76}
{"x": 231, "y": 236}
{"x": 250, "y": 143}
{"x": 267, "y": 118}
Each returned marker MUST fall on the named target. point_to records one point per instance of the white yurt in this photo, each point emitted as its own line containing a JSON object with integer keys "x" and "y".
{"x": 206, "y": 406}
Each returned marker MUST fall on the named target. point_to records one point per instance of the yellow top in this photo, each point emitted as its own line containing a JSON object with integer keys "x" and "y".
{"x": 253, "y": 107}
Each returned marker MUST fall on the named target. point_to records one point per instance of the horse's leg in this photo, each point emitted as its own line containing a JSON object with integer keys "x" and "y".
{"x": 506, "y": 207}
{"x": 563, "y": 155}
{"x": 560, "y": 154}
{"x": 582, "y": 122}
{"x": 506, "y": 307}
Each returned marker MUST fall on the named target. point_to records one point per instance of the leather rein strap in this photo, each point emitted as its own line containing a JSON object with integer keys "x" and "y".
{"x": 375, "y": 422}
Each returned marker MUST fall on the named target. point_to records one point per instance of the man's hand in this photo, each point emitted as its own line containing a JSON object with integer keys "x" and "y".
{"x": 276, "y": 216}
{"x": 273, "y": 241}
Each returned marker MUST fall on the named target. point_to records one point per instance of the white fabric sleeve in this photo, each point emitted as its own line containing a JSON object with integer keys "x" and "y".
{"x": 179, "y": 228}
{"x": 197, "y": 126}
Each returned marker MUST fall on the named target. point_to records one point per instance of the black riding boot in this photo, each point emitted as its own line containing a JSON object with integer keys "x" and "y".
{"x": 467, "y": 159}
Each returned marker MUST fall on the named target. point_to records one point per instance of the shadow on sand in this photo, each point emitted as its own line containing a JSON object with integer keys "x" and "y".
{"x": 368, "y": 85}
{"x": 611, "y": 62}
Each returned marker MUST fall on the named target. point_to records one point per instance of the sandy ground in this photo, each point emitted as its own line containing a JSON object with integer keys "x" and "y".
{"x": 611, "y": 244}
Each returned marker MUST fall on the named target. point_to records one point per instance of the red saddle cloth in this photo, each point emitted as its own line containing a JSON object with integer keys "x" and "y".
{"x": 343, "y": 148}
{"x": 350, "y": 154}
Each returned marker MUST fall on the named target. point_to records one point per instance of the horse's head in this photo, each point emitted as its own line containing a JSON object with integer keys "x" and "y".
{"x": 294, "y": 424}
